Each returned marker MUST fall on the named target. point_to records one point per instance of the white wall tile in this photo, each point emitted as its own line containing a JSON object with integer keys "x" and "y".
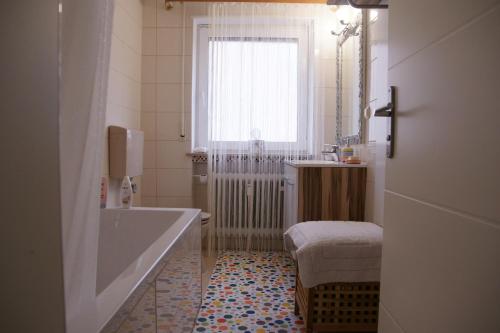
{"x": 149, "y": 154}
{"x": 169, "y": 41}
{"x": 187, "y": 98}
{"x": 148, "y": 97}
{"x": 330, "y": 128}
{"x": 148, "y": 69}
{"x": 149, "y": 41}
{"x": 169, "y": 69}
{"x": 168, "y": 97}
{"x": 149, "y": 201}
{"x": 326, "y": 72}
{"x": 172, "y": 154}
{"x": 175, "y": 202}
{"x": 168, "y": 126}
{"x": 149, "y": 181}
{"x": 188, "y": 43}
{"x": 175, "y": 182}
{"x": 188, "y": 69}
{"x": 149, "y": 13}
{"x": 330, "y": 101}
{"x": 148, "y": 125}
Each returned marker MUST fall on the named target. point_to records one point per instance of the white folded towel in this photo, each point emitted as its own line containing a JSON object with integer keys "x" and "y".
{"x": 335, "y": 251}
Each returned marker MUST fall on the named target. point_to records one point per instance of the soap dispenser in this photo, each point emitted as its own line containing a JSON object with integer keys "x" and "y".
{"x": 126, "y": 193}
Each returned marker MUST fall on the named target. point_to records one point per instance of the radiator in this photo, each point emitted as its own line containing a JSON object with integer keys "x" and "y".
{"x": 248, "y": 211}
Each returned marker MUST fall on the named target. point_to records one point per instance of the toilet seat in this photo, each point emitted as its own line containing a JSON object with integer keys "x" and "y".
{"x": 205, "y": 217}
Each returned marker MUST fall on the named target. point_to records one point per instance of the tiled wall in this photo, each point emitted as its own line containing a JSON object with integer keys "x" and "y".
{"x": 167, "y": 179}
{"x": 124, "y": 87}
{"x": 374, "y": 150}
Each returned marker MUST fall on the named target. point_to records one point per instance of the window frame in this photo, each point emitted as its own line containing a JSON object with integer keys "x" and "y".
{"x": 199, "y": 97}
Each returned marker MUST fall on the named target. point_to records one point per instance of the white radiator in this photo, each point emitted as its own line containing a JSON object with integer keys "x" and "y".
{"x": 248, "y": 210}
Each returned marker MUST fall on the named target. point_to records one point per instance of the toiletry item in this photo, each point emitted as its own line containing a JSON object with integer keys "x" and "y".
{"x": 200, "y": 150}
{"x": 104, "y": 191}
{"x": 353, "y": 160}
{"x": 347, "y": 152}
{"x": 126, "y": 193}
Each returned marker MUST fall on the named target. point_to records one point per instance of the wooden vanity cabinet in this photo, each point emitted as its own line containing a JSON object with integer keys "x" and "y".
{"x": 324, "y": 193}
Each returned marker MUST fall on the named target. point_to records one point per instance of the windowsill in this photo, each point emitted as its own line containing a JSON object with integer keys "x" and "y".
{"x": 196, "y": 154}
{"x": 270, "y": 153}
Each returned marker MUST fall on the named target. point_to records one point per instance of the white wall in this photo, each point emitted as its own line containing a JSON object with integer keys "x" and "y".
{"x": 31, "y": 283}
{"x": 440, "y": 269}
{"x": 373, "y": 152}
{"x": 167, "y": 180}
{"x": 124, "y": 87}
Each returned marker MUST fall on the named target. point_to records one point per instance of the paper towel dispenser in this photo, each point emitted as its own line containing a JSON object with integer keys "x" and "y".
{"x": 125, "y": 152}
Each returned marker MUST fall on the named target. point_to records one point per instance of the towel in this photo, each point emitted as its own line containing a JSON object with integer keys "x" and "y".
{"x": 335, "y": 251}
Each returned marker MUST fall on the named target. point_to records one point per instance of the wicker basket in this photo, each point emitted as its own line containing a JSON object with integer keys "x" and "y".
{"x": 338, "y": 307}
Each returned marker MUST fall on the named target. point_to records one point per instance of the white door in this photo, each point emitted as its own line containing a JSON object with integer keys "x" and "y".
{"x": 441, "y": 256}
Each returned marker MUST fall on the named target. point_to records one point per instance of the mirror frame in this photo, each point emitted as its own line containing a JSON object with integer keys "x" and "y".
{"x": 359, "y": 137}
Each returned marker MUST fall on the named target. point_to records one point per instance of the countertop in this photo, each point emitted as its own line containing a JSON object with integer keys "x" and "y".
{"x": 323, "y": 164}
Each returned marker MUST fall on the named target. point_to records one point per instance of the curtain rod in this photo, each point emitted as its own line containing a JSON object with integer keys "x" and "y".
{"x": 264, "y": 1}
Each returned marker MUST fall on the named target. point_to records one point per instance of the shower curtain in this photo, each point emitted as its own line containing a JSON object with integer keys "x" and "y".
{"x": 266, "y": 106}
{"x": 85, "y": 35}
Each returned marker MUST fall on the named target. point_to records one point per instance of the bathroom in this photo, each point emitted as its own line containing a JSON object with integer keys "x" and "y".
{"x": 155, "y": 207}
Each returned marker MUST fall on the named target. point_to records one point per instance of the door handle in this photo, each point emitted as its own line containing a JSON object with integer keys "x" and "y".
{"x": 389, "y": 111}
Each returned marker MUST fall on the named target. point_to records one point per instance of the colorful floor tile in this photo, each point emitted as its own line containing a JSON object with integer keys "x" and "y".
{"x": 250, "y": 292}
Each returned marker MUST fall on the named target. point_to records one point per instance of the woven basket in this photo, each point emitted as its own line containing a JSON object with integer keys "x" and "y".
{"x": 338, "y": 307}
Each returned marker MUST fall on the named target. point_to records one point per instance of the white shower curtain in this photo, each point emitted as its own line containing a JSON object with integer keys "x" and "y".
{"x": 265, "y": 106}
{"x": 85, "y": 28}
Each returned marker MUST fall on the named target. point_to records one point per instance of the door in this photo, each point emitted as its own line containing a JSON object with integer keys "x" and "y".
{"x": 441, "y": 253}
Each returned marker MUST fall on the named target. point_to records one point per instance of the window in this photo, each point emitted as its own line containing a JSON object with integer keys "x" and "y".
{"x": 261, "y": 93}
{"x": 264, "y": 101}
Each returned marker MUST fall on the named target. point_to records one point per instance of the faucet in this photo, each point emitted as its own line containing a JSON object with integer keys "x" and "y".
{"x": 329, "y": 152}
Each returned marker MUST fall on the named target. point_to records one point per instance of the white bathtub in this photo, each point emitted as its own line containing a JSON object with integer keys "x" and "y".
{"x": 132, "y": 245}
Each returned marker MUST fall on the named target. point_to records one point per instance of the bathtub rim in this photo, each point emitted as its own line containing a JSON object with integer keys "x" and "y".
{"x": 106, "y": 308}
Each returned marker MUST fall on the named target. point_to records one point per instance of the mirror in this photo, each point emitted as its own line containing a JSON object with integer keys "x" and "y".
{"x": 351, "y": 79}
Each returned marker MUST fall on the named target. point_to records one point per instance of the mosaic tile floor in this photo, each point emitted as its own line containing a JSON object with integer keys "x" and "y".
{"x": 250, "y": 292}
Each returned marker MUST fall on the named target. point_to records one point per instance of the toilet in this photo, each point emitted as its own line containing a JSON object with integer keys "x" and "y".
{"x": 205, "y": 219}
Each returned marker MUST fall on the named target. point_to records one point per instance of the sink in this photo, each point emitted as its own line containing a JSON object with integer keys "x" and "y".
{"x": 316, "y": 162}
{"x": 323, "y": 163}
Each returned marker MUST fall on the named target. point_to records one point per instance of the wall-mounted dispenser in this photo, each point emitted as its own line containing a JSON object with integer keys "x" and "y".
{"x": 125, "y": 152}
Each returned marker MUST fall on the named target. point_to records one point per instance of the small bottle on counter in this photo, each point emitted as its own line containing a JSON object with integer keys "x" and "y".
{"x": 346, "y": 152}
